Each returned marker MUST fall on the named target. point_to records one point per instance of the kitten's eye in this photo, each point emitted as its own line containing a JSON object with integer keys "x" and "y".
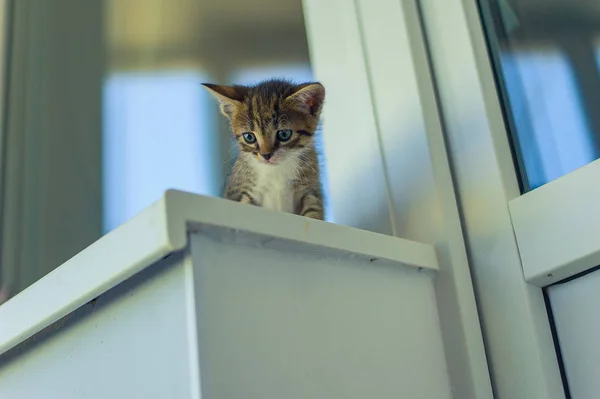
{"x": 249, "y": 138}
{"x": 284, "y": 135}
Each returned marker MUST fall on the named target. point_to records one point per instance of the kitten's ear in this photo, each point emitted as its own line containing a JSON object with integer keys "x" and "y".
{"x": 230, "y": 97}
{"x": 308, "y": 98}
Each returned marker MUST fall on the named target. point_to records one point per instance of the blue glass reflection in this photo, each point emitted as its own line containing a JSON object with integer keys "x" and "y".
{"x": 546, "y": 106}
{"x": 157, "y": 135}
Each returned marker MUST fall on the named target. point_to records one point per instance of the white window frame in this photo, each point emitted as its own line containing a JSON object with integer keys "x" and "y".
{"x": 557, "y": 226}
{"x": 519, "y": 342}
{"x": 381, "y": 116}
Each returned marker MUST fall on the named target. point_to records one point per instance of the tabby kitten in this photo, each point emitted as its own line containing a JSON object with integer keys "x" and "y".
{"x": 274, "y": 123}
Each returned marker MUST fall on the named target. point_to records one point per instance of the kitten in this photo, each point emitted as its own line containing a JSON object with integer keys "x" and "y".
{"x": 274, "y": 123}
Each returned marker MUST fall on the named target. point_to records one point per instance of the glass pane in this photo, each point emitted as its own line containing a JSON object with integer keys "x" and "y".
{"x": 546, "y": 56}
{"x": 152, "y": 140}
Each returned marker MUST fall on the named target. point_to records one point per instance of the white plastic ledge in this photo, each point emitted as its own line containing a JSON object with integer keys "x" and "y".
{"x": 557, "y": 226}
{"x": 162, "y": 229}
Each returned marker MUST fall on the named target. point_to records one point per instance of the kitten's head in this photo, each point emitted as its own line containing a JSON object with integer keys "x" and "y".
{"x": 273, "y": 119}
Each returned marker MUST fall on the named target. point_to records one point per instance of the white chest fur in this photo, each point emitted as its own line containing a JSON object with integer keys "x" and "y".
{"x": 273, "y": 186}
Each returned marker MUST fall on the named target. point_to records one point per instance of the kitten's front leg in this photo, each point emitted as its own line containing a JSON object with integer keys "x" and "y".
{"x": 242, "y": 195}
{"x": 311, "y": 205}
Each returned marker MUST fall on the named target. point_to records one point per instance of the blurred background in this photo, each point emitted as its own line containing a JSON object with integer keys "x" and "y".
{"x": 105, "y": 111}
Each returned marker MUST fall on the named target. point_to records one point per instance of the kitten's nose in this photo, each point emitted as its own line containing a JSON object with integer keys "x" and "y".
{"x": 266, "y": 156}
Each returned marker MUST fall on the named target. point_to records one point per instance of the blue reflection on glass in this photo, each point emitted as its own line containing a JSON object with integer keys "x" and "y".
{"x": 153, "y": 140}
{"x": 554, "y": 136}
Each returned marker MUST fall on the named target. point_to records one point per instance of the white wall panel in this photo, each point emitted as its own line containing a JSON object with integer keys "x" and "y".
{"x": 421, "y": 184}
{"x": 575, "y": 307}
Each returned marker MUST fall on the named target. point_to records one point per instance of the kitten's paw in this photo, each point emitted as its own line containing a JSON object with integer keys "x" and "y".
{"x": 314, "y": 215}
{"x": 247, "y": 199}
